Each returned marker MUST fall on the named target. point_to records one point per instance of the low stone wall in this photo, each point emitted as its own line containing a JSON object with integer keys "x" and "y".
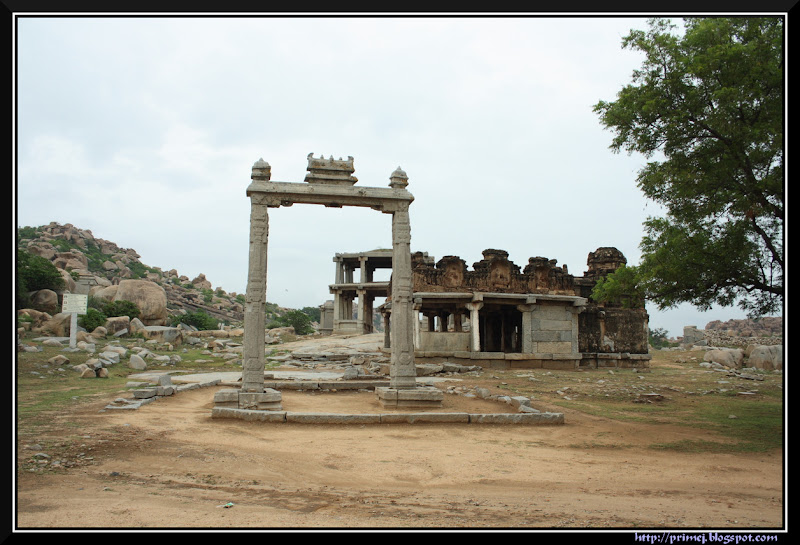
{"x": 718, "y": 338}
{"x": 388, "y": 418}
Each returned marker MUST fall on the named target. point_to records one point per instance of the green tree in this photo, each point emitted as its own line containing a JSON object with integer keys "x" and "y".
{"x": 36, "y": 273}
{"x": 708, "y": 105}
{"x": 312, "y": 312}
{"x": 620, "y": 288}
{"x": 297, "y": 319}
{"x": 658, "y": 338}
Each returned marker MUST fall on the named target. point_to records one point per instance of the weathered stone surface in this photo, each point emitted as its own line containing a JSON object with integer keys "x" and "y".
{"x": 58, "y": 360}
{"x": 436, "y": 418}
{"x": 137, "y": 362}
{"x": 731, "y": 358}
{"x": 409, "y": 397}
{"x": 143, "y": 393}
{"x": 248, "y": 415}
{"x": 148, "y": 296}
{"x": 766, "y": 357}
{"x": 58, "y": 325}
{"x": 116, "y": 324}
{"x": 110, "y": 356}
{"x": 45, "y": 301}
{"x": 332, "y": 418}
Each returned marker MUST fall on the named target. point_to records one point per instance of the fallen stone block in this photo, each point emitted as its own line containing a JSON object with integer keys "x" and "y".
{"x": 143, "y": 393}
{"x": 165, "y": 390}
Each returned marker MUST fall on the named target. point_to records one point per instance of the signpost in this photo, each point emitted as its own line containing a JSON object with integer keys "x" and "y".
{"x": 74, "y": 303}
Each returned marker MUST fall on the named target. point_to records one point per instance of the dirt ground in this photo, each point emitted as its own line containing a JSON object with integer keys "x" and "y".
{"x": 170, "y": 465}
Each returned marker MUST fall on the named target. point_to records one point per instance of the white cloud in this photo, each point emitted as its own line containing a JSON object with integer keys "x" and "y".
{"x": 145, "y": 129}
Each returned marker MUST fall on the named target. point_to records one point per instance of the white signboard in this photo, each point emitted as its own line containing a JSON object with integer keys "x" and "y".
{"x": 74, "y": 302}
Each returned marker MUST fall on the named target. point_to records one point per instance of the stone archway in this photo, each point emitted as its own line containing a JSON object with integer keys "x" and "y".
{"x": 330, "y": 183}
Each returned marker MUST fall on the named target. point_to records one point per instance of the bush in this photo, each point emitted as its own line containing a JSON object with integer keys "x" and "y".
{"x": 92, "y": 319}
{"x": 297, "y": 319}
{"x": 198, "y": 319}
{"x": 121, "y": 308}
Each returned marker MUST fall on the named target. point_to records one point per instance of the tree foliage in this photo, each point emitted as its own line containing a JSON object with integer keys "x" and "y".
{"x": 37, "y": 273}
{"x": 706, "y": 110}
{"x": 198, "y": 319}
{"x": 658, "y": 338}
{"x": 297, "y": 319}
{"x": 620, "y": 288}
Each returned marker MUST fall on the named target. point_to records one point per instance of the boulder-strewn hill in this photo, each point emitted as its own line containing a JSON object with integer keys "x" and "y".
{"x": 89, "y": 264}
{"x": 769, "y": 326}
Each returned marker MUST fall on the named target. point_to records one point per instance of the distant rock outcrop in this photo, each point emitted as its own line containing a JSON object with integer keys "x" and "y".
{"x": 102, "y": 269}
{"x": 769, "y": 326}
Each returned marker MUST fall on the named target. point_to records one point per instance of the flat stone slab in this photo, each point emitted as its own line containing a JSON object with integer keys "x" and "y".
{"x": 540, "y": 419}
{"x": 332, "y": 418}
{"x": 424, "y": 396}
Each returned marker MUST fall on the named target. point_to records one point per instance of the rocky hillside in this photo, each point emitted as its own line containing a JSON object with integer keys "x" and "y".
{"x": 88, "y": 264}
{"x": 764, "y": 327}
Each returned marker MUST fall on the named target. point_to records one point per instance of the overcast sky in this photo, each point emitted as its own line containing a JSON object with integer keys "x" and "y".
{"x": 144, "y": 130}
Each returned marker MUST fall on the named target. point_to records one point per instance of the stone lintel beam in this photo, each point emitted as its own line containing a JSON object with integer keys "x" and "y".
{"x": 276, "y": 194}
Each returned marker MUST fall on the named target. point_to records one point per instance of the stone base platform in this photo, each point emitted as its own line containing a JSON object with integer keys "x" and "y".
{"x": 538, "y": 419}
{"x": 234, "y": 398}
{"x": 421, "y": 396}
{"x": 562, "y": 362}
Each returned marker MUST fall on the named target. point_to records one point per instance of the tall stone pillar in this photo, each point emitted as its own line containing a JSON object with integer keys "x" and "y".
{"x": 362, "y": 272}
{"x": 527, "y": 327}
{"x": 361, "y": 317}
{"x": 474, "y": 324}
{"x": 403, "y": 371}
{"x": 416, "y": 327}
{"x": 255, "y": 297}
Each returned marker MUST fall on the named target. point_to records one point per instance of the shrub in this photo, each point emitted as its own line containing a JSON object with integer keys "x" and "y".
{"x": 297, "y": 319}
{"x": 199, "y": 319}
{"x": 92, "y": 319}
{"x": 121, "y": 308}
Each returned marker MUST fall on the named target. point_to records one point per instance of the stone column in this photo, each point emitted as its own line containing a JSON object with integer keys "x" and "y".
{"x": 339, "y": 276}
{"x": 255, "y": 298}
{"x": 474, "y": 324}
{"x": 361, "y": 317}
{"x": 527, "y": 325}
{"x": 403, "y": 371}
{"x": 416, "y": 328}
{"x": 575, "y": 310}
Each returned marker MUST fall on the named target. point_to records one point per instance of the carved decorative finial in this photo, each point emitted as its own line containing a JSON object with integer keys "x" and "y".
{"x": 261, "y": 170}
{"x": 330, "y": 171}
{"x": 398, "y": 179}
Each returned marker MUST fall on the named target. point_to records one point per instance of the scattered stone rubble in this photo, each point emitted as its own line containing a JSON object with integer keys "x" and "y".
{"x": 149, "y": 391}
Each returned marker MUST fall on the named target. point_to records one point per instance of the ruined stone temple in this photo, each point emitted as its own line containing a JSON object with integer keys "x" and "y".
{"x": 352, "y": 309}
{"x": 501, "y": 315}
